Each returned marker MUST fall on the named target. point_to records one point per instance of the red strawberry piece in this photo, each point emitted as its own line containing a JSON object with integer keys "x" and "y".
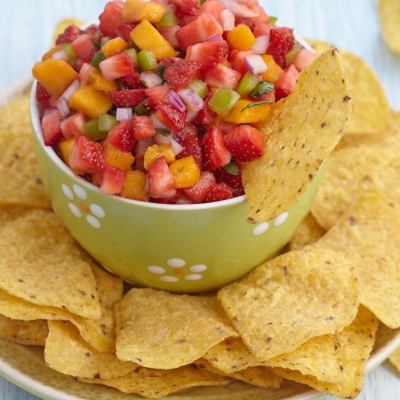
{"x": 199, "y": 191}
{"x": 197, "y": 31}
{"x": 188, "y": 7}
{"x": 231, "y": 175}
{"x": 160, "y": 182}
{"x": 84, "y": 73}
{"x": 237, "y": 60}
{"x": 51, "y": 126}
{"x": 94, "y": 32}
{"x": 303, "y": 58}
{"x": 171, "y": 117}
{"x": 279, "y": 45}
{"x": 143, "y": 127}
{"x": 69, "y": 35}
{"x": 245, "y": 143}
{"x": 111, "y": 180}
{"x": 83, "y": 47}
{"x": 214, "y": 7}
{"x": 286, "y": 82}
{"x": 266, "y": 96}
{"x": 132, "y": 81}
{"x": 157, "y": 94}
{"x": 179, "y": 74}
{"x": 215, "y": 154}
{"x": 124, "y": 31}
{"x": 72, "y": 126}
{"x": 141, "y": 146}
{"x": 218, "y": 192}
{"x": 169, "y": 34}
{"x": 111, "y": 18}
{"x": 191, "y": 146}
{"x": 221, "y": 75}
{"x": 127, "y": 98}
{"x": 121, "y": 136}
{"x": 87, "y": 156}
{"x": 116, "y": 66}
{"x": 205, "y": 115}
{"x": 208, "y": 53}
{"x": 41, "y": 93}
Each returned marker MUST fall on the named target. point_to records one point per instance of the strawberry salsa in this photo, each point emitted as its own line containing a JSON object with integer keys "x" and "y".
{"x": 163, "y": 100}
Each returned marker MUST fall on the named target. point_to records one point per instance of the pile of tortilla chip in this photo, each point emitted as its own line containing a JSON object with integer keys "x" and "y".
{"x": 309, "y": 315}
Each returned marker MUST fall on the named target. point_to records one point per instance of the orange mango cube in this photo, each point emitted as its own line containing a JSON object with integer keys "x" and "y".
{"x": 65, "y": 147}
{"x": 241, "y": 38}
{"x": 98, "y": 82}
{"x": 155, "y": 152}
{"x": 134, "y": 186}
{"x": 135, "y": 11}
{"x": 114, "y": 46}
{"x": 117, "y": 158}
{"x": 242, "y": 114}
{"x": 185, "y": 172}
{"x": 274, "y": 71}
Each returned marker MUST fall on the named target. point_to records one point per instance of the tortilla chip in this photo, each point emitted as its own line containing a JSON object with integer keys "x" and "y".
{"x": 394, "y": 359}
{"x": 354, "y": 345}
{"x": 66, "y": 352}
{"x": 292, "y": 298}
{"x": 10, "y": 213}
{"x": 370, "y": 230}
{"x": 155, "y": 383}
{"x": 158, "y": 329}
{"x": 389, "y": 18}
{"x": 299, "y": 135}
{"x": 29, "y": 333}
{"x": 308, "y": 232}
{"x": 19, "y": 173}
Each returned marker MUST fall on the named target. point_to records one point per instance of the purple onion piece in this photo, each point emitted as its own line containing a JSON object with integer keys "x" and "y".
{"x": 124, "y": 114}
{"x": 63, "y": 107}
{"x": 176, "y": 101}
{"x": 255, "y": 64}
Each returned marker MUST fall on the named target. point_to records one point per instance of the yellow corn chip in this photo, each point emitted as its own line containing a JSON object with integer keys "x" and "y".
{"x": 288, "y": 300}
{"x": 299, "y": 135}
{"x": 394, "y": 359}
{"x": 371, "y": 230}
{"x": 309, "y": 231}
{"x": 158, "y": 329}
{"x": 389, "y": 18}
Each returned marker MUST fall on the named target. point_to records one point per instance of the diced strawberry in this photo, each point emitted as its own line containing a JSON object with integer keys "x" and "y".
{"x": 214, "y": 7}
{"x": 160, "y": 182}
{"x": 224, "y": 126}
{"x": 208, "y": 53}
{"x": 84, "y": 73}
{"x": 157, "y": 94}
{"x": 41, "y": 93}
{"x": 205, "y": 115}
{"x": 221, "y": 75}
{"x": 197, "y": 31}
{"x": 94, "y": 32}
{"x": 245, "y": 143}
{"x": 111, "y": 18}
{"x": 124, "y": 31}
{"x": 72, "y": 126}
{"x": 279, "y": 45}
{"x": 127, "y": 98}
{"x": 189, "y": 7}
{"x": 51, "y": 126}
{"x": 286, "y": 82}
{"x": 116, "y": 66}
{"x": 121, "y": 136}
{"x": 237, "y": 60}
{"x": 87, "y": 156}
{"x": 191, "y": 145}
{"x": 218, "y": 192}
{"x": 169, "y": 34}
{"x": 199, "y": 191}
{"x": 132, "y": 81}
{"x": 261, "y": 29}
{"x": 83, "y": 47}
{"x": 171, "y": 117}
{"x": 215, "y": 154}
{"x": 143, "y": 127}
{"x": 111, "y": 180}
{"x": 303, "y": 58}
{"x": 285, "y": 31}
{"x": 69, "y": 35}
{"x": 141, "y": 147}
{"x": 232, "y": 177}
{"x": 179, "y": 74}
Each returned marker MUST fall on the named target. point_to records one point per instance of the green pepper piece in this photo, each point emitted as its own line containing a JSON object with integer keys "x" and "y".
{"x": 168, "y": 20}
{"x": 147, "y": 60}
{"x": 223, "y": 101}
{"x": 132, "y": 53}
{"x": 97, "y": 59}
{"x": 199, "y": 87}
{"x": 92, "y": 131}
{"x": 107, "y": 122}
{"x": 247, "y": 84}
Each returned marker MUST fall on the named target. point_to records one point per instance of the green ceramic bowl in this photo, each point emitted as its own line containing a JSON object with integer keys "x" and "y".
{"x": 179, "y": 248}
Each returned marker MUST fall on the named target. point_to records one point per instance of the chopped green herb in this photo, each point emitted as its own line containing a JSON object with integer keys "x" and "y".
{"x": 161, "y": 70}
{"x": 141, "y": 109}
{"x": 164, "y": 132}
{"x": 257, "y": 103}
{"x": 97, "y": 59}
{"x": 232, "y": 168}
{"x": 180, "y": 169}
{"x": 263, "y": 87}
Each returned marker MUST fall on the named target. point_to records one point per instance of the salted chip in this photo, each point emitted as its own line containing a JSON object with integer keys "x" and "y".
{"x": 299, "y": 135}
{"x": 354, "y": 345}
{"x": 66, "y": 352}
{"x": 370, "y": 230}
{"x": 156, "y": 383}
{"x": 394, "y": 358}
{"x": 10, "y": 213}
{"x": 51, "y": 270}
{"x": 389, "y": 18}
{"x": 257, "y": 376}
{"x": 371, "y": 109}
{"x": 157, "y": 329}
{"x": 308, "y": 232}
{"x": 19, "y": 173}
{"x": 292, "y": 298}
{"x": 64, "y": 24}
{"x": 28, "y": 333}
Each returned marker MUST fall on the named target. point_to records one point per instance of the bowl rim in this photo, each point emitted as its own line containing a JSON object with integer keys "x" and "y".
{"x": 56, "y": 160}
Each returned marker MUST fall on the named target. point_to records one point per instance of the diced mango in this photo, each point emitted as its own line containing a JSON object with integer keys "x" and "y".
{"x": 54, "y": 75}
{"x": 117, "y": 158}
{"x": 146, "y": 37}
{"x": 100, "y": 83}
{"x": 135, "y": 11}
{"x": 134, "y": 186}
{"x": 114, "y": 46}
{"x": 65, "y": 147}
{"x": 156, "y": 151}
{"x": 241, "y": 38}
{"x": 241, "y": 113}
{"x": 274, "y": 71}
{"x": 91, "y": 101}
{"x": 185, "y": 172}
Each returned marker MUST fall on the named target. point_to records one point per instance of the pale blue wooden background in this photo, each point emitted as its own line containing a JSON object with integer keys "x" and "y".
{"x": 26, "y": 28}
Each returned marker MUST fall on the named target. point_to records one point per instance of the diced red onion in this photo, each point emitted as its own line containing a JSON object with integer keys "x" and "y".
{"x": 60, "y": 55}
{"x": 228, "y": 20}
{"x": 176, "y": 101}
{"x": 262, "y": 43}
{"x": 255, "y": 64}
{"x": 63, "y": 107}
{"x": 191, "y": 115}
{"x": 215, "y": 38}
{"x": 157, "y": 123}
{"x": 73, "y": 87}
{"x": 124, "y": 114}
{"x": 159, "y": 138}
{"x": 237, "y": 9}
{"x": 192, "y": 99}
{"x": 150, "y": 79}
{"x": 176, "y": 147}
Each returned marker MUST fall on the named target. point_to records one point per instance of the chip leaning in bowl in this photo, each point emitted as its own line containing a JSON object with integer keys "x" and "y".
{"x": 163, "y": 103}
